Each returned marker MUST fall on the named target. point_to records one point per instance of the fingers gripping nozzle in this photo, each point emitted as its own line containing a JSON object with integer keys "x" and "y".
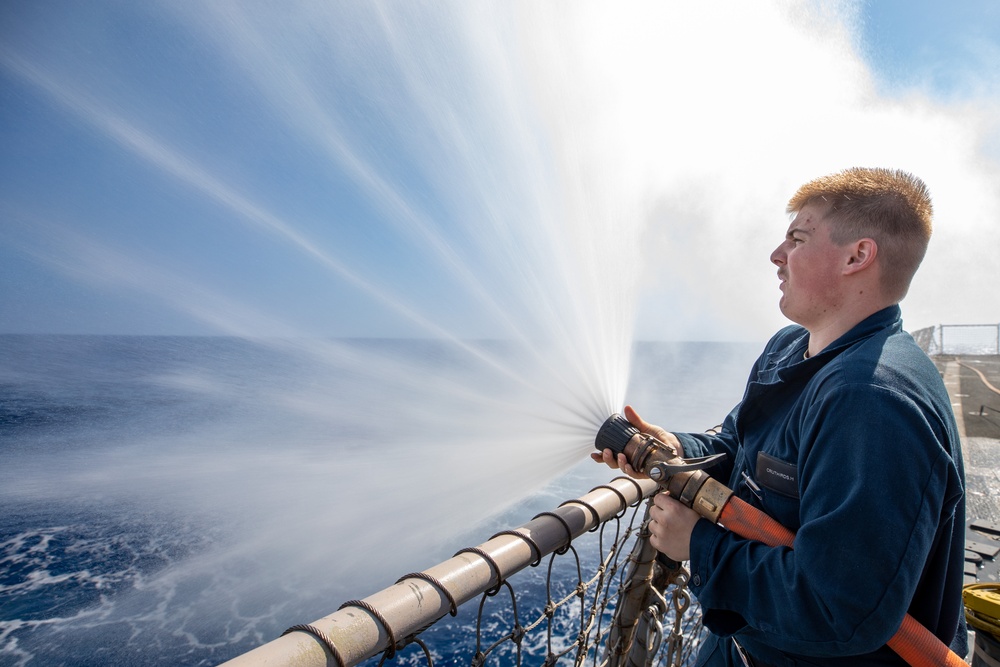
{"x": 644, "y": 452}
{"x": 684, "y": 478}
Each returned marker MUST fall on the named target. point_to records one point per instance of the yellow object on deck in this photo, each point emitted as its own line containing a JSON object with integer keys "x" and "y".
{"x": 982, "y": 612}
{"x": 982, "y": 607}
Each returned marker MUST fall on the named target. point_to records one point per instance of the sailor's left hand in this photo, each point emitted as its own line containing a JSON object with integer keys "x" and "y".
{"x": 670, "y": 525}
{"x": 620, "y": 461}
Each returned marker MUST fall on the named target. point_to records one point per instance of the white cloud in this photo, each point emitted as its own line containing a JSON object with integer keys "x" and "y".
{"x": 712, "y": 115}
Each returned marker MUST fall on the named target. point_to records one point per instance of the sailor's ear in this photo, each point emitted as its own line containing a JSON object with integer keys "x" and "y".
{"x": 862, "y": 255}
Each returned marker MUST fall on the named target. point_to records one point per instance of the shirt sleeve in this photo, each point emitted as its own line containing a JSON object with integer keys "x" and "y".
{"x": 723, "y": 442}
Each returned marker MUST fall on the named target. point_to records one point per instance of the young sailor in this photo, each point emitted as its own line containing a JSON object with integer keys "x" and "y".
{"x": 846, "y": 436}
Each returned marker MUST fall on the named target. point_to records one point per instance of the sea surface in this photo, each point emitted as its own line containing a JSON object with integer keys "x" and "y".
{"x": 140, "y": 519}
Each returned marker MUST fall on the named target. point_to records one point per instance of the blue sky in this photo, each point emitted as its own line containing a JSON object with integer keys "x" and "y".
{"x": 948, "y": 47}
{"x": 391, "y": 170}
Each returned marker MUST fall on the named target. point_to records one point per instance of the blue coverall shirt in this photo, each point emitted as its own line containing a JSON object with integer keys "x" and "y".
{"x": 855, "y": 450}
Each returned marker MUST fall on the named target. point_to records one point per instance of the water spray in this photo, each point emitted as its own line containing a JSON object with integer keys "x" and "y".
{"x": 687, "y": 481}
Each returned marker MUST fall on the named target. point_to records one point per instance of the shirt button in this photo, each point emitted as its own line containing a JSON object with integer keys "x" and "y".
{"x": 696, "y": 580}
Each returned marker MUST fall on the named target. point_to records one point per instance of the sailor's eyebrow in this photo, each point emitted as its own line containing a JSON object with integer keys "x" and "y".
{"x": 797, "y": 230}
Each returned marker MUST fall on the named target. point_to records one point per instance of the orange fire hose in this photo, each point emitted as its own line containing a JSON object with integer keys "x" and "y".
{"x": 914, "y": 643}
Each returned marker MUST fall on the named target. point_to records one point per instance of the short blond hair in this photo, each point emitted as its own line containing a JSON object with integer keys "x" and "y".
{"x": 892, "y": 207}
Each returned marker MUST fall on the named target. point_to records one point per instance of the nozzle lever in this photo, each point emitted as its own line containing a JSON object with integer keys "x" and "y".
{"x": 662, "y": 470}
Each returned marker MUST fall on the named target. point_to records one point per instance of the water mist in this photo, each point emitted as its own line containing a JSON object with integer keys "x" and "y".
{"x": 500, "y": 255}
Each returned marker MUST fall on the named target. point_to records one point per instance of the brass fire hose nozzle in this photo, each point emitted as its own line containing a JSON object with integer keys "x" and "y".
{"x": 685, "y": 479}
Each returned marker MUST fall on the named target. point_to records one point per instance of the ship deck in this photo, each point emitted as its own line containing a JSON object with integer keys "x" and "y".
{"x": 973, "y": 383}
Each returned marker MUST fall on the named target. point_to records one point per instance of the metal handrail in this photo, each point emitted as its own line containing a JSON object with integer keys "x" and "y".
{"x": 365, "y": 628}
{"x": 932, "y": 339}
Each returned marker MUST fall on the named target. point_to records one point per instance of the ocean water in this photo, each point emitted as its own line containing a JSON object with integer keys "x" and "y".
{"x": 175, "y": 500}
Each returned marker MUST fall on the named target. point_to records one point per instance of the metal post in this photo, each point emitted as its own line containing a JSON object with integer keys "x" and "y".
{"x": 634, "y": 601}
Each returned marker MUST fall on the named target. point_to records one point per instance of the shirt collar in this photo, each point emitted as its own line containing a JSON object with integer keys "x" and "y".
{"x": 888, "y": 317}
